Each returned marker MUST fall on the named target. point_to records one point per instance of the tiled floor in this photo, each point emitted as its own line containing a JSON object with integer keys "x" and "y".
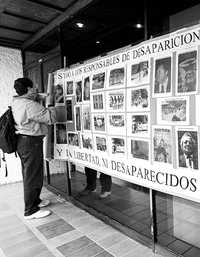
{"x": 69, "y": 231}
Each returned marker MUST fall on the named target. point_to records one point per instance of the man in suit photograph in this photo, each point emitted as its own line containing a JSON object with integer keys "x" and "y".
{"x": 188, "y": 151}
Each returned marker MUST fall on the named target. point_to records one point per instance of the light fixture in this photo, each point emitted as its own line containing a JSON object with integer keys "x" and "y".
{"x": 138, "y": 25}
{"x": 98, "y": 42}
{"x": 80, "y": 25}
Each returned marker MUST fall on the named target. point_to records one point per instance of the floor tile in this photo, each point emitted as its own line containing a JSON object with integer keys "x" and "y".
{"x": 55, "y": 228}
{"x": 74, "y": 245}
{"x": 88, "y": 251}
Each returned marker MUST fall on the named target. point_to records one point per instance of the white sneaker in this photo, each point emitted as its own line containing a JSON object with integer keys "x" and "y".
{"x": 38, "y": 215}
{"x": 44, "y": 203}
{"x": 105, "y": 194}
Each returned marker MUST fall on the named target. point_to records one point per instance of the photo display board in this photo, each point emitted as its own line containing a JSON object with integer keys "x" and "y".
{"x": 135, "y": 114}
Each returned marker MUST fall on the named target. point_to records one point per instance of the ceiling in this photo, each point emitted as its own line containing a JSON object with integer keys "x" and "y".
{"x": 39, "y": 25}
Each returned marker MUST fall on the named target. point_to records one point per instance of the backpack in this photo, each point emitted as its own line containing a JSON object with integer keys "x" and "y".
{"x": 8, "y": 138}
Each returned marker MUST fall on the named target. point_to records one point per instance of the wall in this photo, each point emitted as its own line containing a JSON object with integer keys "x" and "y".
{"x": 10, "y": 69}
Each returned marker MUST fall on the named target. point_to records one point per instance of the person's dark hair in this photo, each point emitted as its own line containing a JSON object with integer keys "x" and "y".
{"x": 21, "y": 85}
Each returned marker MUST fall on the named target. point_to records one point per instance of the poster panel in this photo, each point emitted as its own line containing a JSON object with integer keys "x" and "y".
{"x": 154, "y": 97}
{"x": 69, "y": 87}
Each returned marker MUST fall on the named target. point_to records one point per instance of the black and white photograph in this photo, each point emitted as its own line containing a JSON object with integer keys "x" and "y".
{"x": 116, "y": 124}
{"x": 70, "y": 87}
{"x": 77, "y": 118}
{"x": 162, "y": 144}
{"x": 117, "y": 77}
{"x": 86, "y": 117}
{"x": 138, "y": 73}
{"x": 87, "y": 141}
{"x": 59, "y": 94}
{"x": 115, "y": 101}
{"x": 138, "y": 99}
{"x": 69, "y": 108}
{"x": 101, "y": 144}
{"x": 73, "y": 139}
{"x": 98, "y": 121}
{"x": 139, "y": 149}
{"x": 174, "y": 110}
{"x": 98, "y": 81}
{"x": 187, "y": 148}
{"x": 138, "y": 124}
{"x": 187, "y": 72}
{"x": 118, "y": 146}
{"x": 162, "y": 77}
{"x": 61, "y": 133}
{"x": 78, "y": 92}
{"x": 98, "y": 102}
{"x": 86, "y": 89}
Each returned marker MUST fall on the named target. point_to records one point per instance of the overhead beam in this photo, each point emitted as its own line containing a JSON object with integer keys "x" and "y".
{"x": 3, "y": 4}
{"x": 71, "y": 11}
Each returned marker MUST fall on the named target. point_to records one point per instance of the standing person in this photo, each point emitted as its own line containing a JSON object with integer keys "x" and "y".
{"x": 105, "y": 180}
{"x": 32, "y": 121}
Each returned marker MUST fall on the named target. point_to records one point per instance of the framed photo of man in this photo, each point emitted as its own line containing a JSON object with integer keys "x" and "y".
{"x": 101, "y": 143}
{"x": 78, "y": 91}
{"x": 87, "y": 141}
{"x": 69, "y": 87}
{"x": 60, "y": 133}
{"x": 162, "y": 78}
{"x": 187, "y": 72}
{"x": 187, "y": 147}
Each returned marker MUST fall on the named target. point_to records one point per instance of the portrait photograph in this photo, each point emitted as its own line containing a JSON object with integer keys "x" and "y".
{"x": 187, "y": 72}
{"x": 86, "y": 89}
{"x": 98, "y": 81}
{"x": 187, "y": 147}
{"x": 77, "y": 118}
{"x": 174, "y": 110}
{"x": 87, "y": 141}
{"x": 61, "y": 133}
{"x": 97, "y": 102}
{"x": 101, "y": 143}
{"x": 78, "y": 92}
{"x": 99, "y": 122}
{"x": 117, "y": 77}
{"x": 138, "y": 99}
{"x": 162, "y": 77}
{"x": 73, "y": 139}
{"x": 139, "y": 149}
{"x": 115, "y": 101}
{"x": 138, "y": 124}
{"x": 59, "y": 94}
{"x": 162, "y": 144}
{"x": 86, "y": 117}
{"x": 116, "y": 124}
{"x": 70, "y": 87}
{"x": 69, "y": 108}
{"x": 118, "y": 146}
{"x": 138, "y": 73}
